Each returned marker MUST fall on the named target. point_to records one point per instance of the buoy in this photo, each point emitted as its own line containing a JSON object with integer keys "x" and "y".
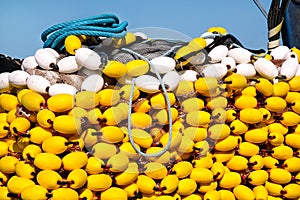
{"x": 68, "y": 65}
{"x": 217, "y": 70}
{"x": 88, "y": 58}
{"x": 147, "y": 83}
{"x": 266, "y": 68}
{"x": 279, "y": 52}
{"x": 29, "y": 63}
{"x": 46, "y": 58}
{"x": 61, "y": 88}
{"x": 18, "y": 78}
{"x": 289, "y": 67}
{"x": 246, "y": 69}
{"x": 240, "y": 55}
{"x": 217, "y": 53}
{"x": 163, "y": 64}
{"x": 38, "y": 83}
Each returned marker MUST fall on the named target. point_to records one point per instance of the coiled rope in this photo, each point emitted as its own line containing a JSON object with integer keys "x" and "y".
{"x": 103, "y": 25}
{"x": 130, "y": 110}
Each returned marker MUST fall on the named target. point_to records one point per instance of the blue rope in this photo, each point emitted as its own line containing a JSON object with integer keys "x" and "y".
{"x": 130, "y": 109}
{"x": 104, "y": 25}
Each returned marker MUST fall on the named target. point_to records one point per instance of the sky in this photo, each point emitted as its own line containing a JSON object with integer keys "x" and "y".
{"x": 22, "y": 22}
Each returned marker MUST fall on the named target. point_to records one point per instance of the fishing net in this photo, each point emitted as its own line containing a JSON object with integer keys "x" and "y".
{"x": 100, "y": 112}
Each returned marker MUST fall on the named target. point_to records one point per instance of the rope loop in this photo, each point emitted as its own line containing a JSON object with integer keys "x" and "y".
{"x": 130, "y": 109}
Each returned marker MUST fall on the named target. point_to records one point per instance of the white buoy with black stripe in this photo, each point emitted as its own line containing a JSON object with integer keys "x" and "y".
{"x": 229, "y": 62}
{"x": 289, "y": 67}
{"x": 266, "y": 68}
{"x": 171, "y": 79}
{"x": 279, "y": 52}
{"x": 45, "y": 58}
{"x": 38, "y": 83}
{"x": 68, "y": 65}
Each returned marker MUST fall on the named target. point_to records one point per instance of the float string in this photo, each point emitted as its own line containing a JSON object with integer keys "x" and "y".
{"x": 168, "y": 109}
